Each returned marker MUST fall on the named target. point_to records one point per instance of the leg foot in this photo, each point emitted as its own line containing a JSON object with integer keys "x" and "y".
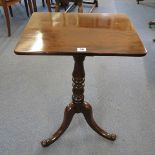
{"x": 88, "y": 114}
{"x": 46, "y": 142}
{"x": 68, "y": 115}
{"x": 151, "y": 23}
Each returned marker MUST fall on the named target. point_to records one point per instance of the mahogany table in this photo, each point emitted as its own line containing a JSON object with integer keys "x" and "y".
{"x": 79, "y": 35}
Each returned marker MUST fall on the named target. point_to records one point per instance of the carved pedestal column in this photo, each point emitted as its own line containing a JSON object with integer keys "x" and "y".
{"x": 78, "y": 83}
{"x": 78, "y": 105}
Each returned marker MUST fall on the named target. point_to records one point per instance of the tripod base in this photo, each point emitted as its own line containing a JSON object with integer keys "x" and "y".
{"x": 78, "y": 105}
{"x": 69, "y": 112}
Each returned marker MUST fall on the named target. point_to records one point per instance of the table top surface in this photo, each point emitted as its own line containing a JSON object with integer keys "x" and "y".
{"x": 88, "y": 34}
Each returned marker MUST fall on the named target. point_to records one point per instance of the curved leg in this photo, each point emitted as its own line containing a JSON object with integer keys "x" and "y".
{"x": 68, "y": 115}
{"x": 34, "y": 5}
{"x": 10, "y": 9}
{"x": 30, "y": 6}
{"x": 88, "y": 114}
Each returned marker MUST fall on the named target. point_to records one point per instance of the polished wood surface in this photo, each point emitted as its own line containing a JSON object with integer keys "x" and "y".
{"x": 95, "y": 34}
{"x": 62, "y": 33}
{"x": 78, "y": 105}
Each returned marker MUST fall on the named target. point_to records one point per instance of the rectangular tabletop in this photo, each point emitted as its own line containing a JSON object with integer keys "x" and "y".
{"x": 80, "y": 33}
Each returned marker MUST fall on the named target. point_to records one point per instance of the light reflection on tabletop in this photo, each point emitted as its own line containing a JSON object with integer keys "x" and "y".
{"x": 63, "y": 33}
{"x": 38, "y": 42}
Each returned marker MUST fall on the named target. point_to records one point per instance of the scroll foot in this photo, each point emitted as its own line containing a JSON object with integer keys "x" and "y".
{"x": 68, "y": 115}
{"x": 88, "y": 114}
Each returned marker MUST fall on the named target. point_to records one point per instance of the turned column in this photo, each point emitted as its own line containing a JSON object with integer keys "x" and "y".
{"x": 78, "y": 105}
{"x": 78, "y": 82}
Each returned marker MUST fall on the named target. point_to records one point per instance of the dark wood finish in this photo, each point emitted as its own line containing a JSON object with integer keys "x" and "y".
{"x": 34, "y": 5}
{"x": 78, "y": 105}
{"x": 151, "y": 23}
{"x": 26, "y": 7}
{"x": 101, "y": 34}
{"x": 10, "y": 9}
{"x": 30, "y": 6}
{"x": 78, "y": 78}
{"x": 88, "y": 114}
{"x": 68, "y": 115}
{"x": 61, "y": 34}
{"x": 139, "y": 1}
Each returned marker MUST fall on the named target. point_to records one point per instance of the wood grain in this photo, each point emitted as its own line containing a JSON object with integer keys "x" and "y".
{"x": 62, "y": 33}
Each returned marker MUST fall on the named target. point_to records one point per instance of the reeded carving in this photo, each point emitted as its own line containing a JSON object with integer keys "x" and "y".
{"x": 78, "y": 90}
{"x": 78, "y": 82}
